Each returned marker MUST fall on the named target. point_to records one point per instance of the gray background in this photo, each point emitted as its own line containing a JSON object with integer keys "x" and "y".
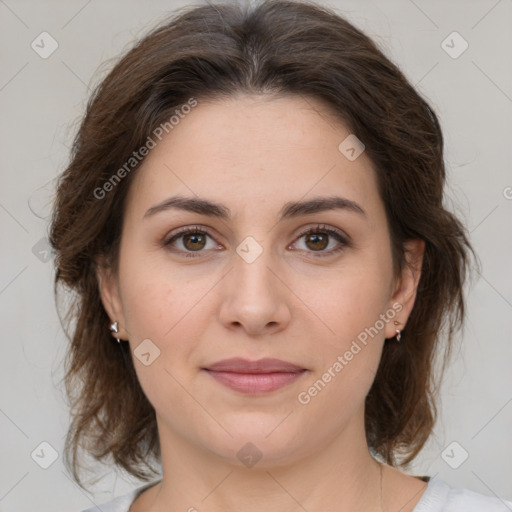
{"x": 41, "y": 101}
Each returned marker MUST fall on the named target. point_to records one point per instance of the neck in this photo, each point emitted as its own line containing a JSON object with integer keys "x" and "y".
{"x": 340, "y": 475}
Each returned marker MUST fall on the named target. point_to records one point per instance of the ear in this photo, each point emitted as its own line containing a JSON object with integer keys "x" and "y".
{"x": 406, "y": 288}
{"x": 110, "y": 297}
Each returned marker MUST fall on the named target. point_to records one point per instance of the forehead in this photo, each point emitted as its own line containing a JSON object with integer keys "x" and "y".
{"x": 254, "y": 149}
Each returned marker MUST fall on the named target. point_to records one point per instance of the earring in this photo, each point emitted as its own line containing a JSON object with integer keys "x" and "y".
{"x": 114, "y": 328}
{"x": 398, "y": 332}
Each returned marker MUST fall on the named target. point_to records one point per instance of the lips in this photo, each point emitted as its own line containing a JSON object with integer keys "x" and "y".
{"x": 267, "y": 365}
{"x": 254, "y": 377}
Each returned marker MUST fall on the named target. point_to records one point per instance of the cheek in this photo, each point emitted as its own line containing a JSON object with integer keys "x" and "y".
{"x": 349, "y": 302}
{"x": 147, "y": 303}
{"x": 359, "y": 304}
{"x": 349, "y": 351}
{"x": 156, "y": 309}
{"x": 161, "y": 304}
{"x": 152, "y": 293}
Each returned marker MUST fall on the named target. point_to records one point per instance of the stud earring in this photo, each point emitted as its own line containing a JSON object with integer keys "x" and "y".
{"x": 114, "y": 327}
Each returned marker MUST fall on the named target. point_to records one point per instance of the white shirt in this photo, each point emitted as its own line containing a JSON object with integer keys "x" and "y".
{"x": 438, "y": 497}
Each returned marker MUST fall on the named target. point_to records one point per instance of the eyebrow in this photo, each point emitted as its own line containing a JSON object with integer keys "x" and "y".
{"x": 290, "y": 210}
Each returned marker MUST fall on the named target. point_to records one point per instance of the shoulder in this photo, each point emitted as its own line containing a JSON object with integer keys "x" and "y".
{"x": 121, "y": 503}
{"x": 440, "y": 497}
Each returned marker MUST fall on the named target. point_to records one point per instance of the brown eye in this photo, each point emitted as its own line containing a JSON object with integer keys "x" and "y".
{"x": 318, "y": 238}
{"x": 194, "y": 241}
{"x": 317, "y": 242}
{"x": 189, "y": 242}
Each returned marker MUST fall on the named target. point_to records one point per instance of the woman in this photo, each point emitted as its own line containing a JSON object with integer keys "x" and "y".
{"x": 252, "y": 223}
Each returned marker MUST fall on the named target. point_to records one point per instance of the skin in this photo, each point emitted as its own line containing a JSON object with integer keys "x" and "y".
{"x": 254, "y": 154}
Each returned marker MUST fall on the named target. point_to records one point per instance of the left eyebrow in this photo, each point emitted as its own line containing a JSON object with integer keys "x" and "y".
{"x": 320, "y": 204}
{"x": 290, "y": 210}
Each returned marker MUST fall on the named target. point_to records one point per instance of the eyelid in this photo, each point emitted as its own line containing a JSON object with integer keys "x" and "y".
{"x": 324, "y": 228}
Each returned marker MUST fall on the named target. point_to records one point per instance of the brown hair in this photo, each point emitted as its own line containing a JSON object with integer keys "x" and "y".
{"x": 218, "y": 50}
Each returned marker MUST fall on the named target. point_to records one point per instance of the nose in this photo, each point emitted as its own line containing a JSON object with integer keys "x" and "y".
{"x": 255, "y": 297}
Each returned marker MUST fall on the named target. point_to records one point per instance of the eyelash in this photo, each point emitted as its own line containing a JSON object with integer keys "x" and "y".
{"x": 343, "y": 242}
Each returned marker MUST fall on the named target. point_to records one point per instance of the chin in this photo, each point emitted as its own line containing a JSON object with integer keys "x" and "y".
{"x": 260, "y": 446}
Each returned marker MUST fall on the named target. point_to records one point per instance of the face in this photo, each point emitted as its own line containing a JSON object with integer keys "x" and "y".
{"x": 311, "y": 286}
